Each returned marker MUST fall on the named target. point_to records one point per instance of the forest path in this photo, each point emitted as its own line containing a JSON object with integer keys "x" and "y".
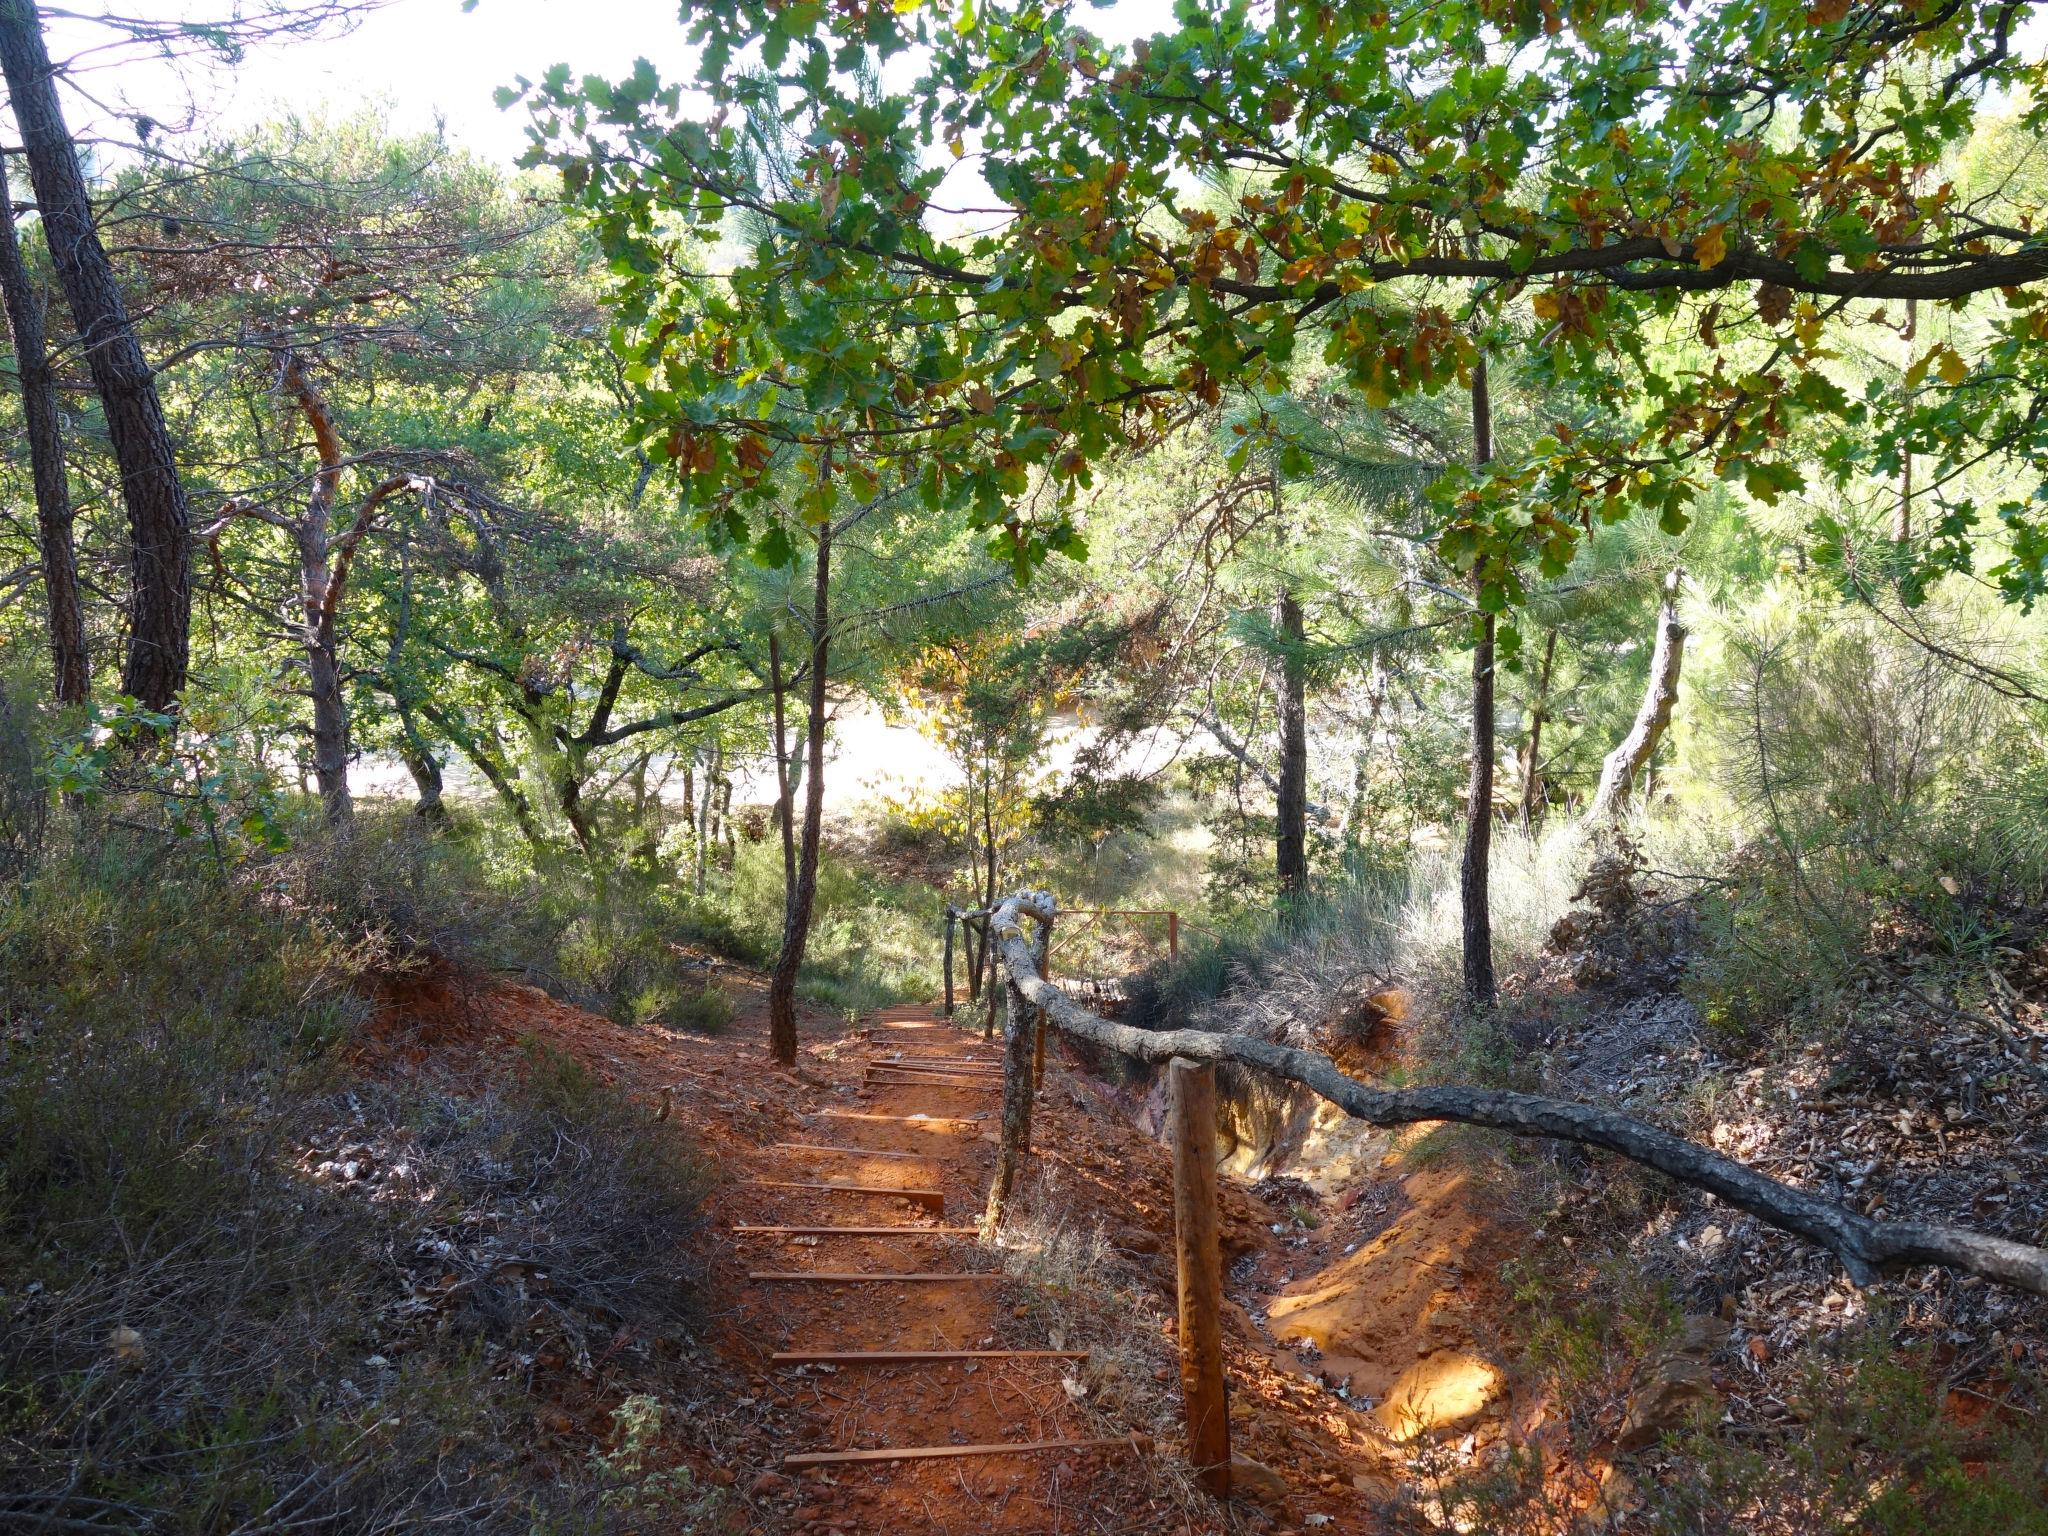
{"x": 902, "y": 1132}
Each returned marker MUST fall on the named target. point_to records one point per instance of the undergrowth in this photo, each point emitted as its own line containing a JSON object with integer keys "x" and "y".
{"x": 241, "y": 1288}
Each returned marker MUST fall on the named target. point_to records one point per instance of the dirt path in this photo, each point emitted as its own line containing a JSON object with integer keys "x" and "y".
{"x": 939, "y": 1137}
{"x": 1096, "y": 1182}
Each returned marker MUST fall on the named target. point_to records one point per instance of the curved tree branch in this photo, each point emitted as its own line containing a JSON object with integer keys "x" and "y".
{"x": 1867, "y": 1249}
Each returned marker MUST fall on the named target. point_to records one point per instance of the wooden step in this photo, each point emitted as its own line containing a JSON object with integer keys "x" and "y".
{"x": 935, "y": 1198}
{"x": 863, "y": 1231}
{"x": 927, "y": 1080}
{"x": 917, "y": 1356}
{"x": 968, "y": 1122}
{"x": 1136, "y": 1443}
{"x": 930, "y": 1064}
{"x": 857, "y": 1277}
{"x": 805, "y": 1146}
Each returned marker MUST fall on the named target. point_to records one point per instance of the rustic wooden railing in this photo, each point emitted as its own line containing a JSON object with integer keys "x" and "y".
{"x": 1099, "y": 970}
{"x": 1866, "y": 1248}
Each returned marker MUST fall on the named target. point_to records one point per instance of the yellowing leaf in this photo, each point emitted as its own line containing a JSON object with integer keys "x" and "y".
{"x": 1711, "y": 249}
{"x": 1952, "y": 368}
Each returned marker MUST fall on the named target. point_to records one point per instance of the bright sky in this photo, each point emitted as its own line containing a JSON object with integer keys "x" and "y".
{"x": 426, "y": 59}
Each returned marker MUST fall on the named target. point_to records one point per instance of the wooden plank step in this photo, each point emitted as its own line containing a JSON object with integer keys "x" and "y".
{"x": 928, "y": 1080}
{"x": 856, "y": 1277}
{"x": 935, "y": 1198}
{"x": 934, "y": 1064}
{"x": 1136, "y": 1443}
{"x": 969, "y": 1121}
{"x": 917, "y": 1356}
{"x": 807, "y": 1146}
{"x": 864, "y": 1231}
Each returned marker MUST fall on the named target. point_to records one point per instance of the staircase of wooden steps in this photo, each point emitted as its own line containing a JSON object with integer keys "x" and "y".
{"x": 907, "y": 1051}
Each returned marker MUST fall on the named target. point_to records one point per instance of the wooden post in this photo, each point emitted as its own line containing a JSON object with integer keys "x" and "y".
{"x": 951, "y": 918}
{"x": 1014, "y": 1144}
{"x": 1191, "y": 1107}
{"x": 1173, "y": 935}
{"x": 1042, "y": 952}
{"x": 973, "y": 958}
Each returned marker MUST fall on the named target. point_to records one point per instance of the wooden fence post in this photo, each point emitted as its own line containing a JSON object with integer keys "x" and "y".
{"x": 1014, "y": 1144}
{"x": 1173, "y": 935}
{"x": 1191, "y": 1101}
{"x": 1042, "y": 952}
{"x": 951, "y": 918}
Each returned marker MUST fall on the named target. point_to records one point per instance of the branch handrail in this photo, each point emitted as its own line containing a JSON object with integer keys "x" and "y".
{"x": 1866, "y": 1248}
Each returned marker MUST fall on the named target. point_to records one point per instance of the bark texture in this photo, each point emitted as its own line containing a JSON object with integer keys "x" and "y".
{"x": 70, "y": 666}
{"x": 1020, "y": 1024}
{"x": 801, "y": 896}
{"x": 159, "y": 527}
{"x": 1475, "y": 876}
{"x": 1626, "y": 762}
{"x": 1290, "y": 836}
{"x": 1867, "y": 1249}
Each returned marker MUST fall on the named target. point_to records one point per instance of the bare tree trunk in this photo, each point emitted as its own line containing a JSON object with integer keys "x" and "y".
{"x": 425, "y": 769}
{"x": 699, "y": 843}
{"x": 1532, "y": 748}
{"x": 70, "y": 668}
{"x": 1290, "y": 836}
{"x": 1902, "y": 515}
{"x": 785, "y": 802}
{"x": 489, "y": 761}
{"x": 1618, "y": 774}
{"x": 311, "y": 533}
{"x": 1474, "y": 878}
{"x": 159, "y": 528}
{"x": 803, "y": 893}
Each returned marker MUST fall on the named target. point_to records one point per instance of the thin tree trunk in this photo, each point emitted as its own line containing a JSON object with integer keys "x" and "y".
{"x": 425, "y": 769}
{"x": 1902, "y": 515}
{"x": 413, "y": 747}
{"x": 703, "y": 823}
{"x": 489, "y": 761}
{"x": 725, "y": 824}
{"x": 1474, "y": 878}
{"x": 1532, "y": 748}
{"x": 323, "y": 662}
{"x": 785, "y": 803}
{"x": 70, "y": 668}
{"x": 159, "y": 528}
{"x": 1618, "y": 774}
{"x": 1290, "y": 839}
{"x": 803, "y": 893}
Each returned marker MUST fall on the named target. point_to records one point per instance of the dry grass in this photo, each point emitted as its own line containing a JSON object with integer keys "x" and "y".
{"x": 1096, "y": 1299}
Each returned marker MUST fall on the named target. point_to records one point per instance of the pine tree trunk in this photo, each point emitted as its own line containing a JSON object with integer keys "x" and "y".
{"x": 1532, "y": 748}
{"x": 159, "y": 528}
{"x": 1290, "y": 840}
{"x": 1475, "y": 876}
{"x": 1627, "y": 761}
{"x": 70, "y": 669}
{"x": 802, "y": 895}
{"x": 785, "y": 802}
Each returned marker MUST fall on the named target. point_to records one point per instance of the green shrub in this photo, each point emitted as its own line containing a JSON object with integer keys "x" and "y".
{"x": 1874, "y": 1452}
